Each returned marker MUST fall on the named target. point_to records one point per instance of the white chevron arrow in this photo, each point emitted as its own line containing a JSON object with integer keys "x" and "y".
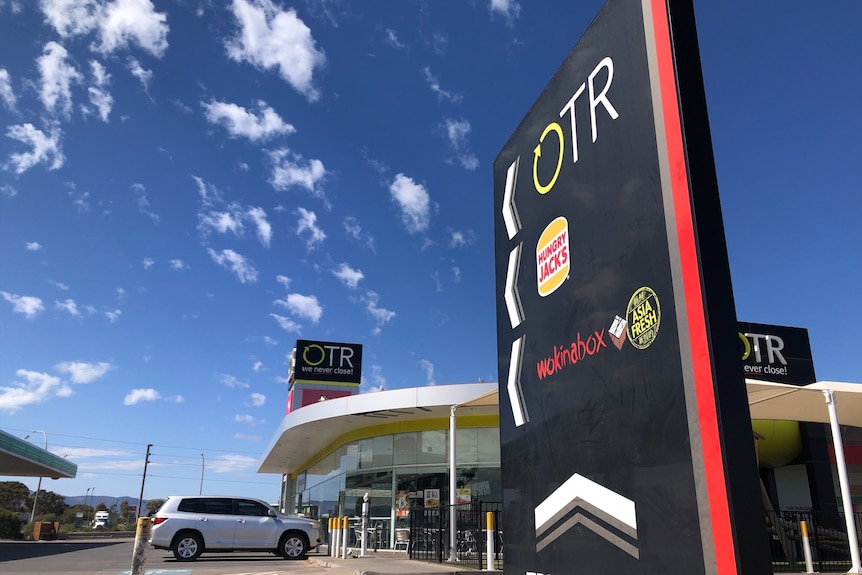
{"x": 516, "y": 396}
{"x": 511, "y": 295}
{"x": 510, "y": 211}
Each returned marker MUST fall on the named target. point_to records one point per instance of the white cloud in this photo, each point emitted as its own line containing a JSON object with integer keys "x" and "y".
{"x": 33, "y": 246}
{"x": 178, "y": 264}
{"x": 245, "y": 272}
{"x": 257, "y": 399}
{"x": 257, "y": 366}
{"x": 229, "y": 463}
{"x": 272, "y": 38}
{"x": 222, "y": 222}
{"x": 69, "y": 305}
{"x": 283, "y": 280}
{"x": 381, "y": 315}
{"x": 245, "y": 418}
{"x": 456, "y": 239}
{"x": 304, "y": 306}
{"x": 348, "y": 275}
{"x": 457, "y": 132}
{"x": 57, "y": 78}
{"x": 37, "y": 388}
{"x": 99, "y": 95}
{"x": 264, "y": 229}
{"x": 392, "y": 39}
{"x": 138, "y": 71}
{"x": 72, "y": 17}
{"x": 354, "y": 230}
{"x": 138, "y": 395}
{"x": 434, "y": 84}
{"x": 414, "y": 201}
{"x": 28, "y": 305}
{"x": 241, "y": 122}
{"x": 113, "y": 315}
{"x": 377, "y": 379}
{"x": 232, "y": 382}
{"x": 59, "y": 285}
{"x": 308, "y": 223}
{"x": 46, "y": 149}
{"x": 8, "y": 191}
{"x": 148, "y": 263}
{"x": 288, "y": 170}
{"x": 286, "y": 323}
{"x": 270, "y": 340}
{"x": 245, "y": 437}
{"x": 6, "y": 92}
{"x": 83, "y": 372}
{"x": 123, "y": 23}
{"x": 508, "y": 9}
{"x": 428, "y": 368}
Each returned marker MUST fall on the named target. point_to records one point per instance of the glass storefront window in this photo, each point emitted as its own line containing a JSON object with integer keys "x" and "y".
{"x": 434, "y": 447}
{"x": 382, "y": 451}
{"x": 466, "y": 446}
{"x": 405, "y": 448}
{"x": 489, "y": 445}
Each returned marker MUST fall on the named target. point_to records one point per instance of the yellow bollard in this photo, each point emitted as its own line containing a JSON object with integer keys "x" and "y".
{"x": 345, "y": 524}
{"x": 489, "y": 521}
{"x": 142, "y": 534}
{"x": 806, "y": 547}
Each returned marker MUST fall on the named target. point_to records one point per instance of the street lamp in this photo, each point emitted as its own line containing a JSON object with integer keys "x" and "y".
{"x": 39, "y": 485}
{"x": 87, "y": 509}
{"x": 201, "y": 490}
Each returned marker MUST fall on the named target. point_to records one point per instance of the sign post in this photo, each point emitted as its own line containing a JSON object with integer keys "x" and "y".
{"x": 626, "y": 443}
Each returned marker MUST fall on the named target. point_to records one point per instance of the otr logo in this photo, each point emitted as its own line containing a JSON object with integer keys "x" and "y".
{"x": 772, "y": 344}
{"x": 315, "y": 354}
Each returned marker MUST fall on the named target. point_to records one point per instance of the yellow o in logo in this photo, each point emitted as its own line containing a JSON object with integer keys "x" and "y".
{"x": 305, "y": 355}
{"x": 537, "y": 153}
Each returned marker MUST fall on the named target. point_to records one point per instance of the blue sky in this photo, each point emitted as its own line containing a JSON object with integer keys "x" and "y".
{"x": 188, "y": 187}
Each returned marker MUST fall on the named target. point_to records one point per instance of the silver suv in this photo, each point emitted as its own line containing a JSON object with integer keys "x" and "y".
{"x": 188, "y": 525}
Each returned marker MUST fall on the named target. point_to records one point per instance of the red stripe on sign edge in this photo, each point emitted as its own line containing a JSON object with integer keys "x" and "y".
{"x": 716, "y": 483}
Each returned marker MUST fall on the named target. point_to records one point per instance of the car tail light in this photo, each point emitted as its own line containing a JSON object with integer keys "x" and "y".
{"x": 158, "y": 520}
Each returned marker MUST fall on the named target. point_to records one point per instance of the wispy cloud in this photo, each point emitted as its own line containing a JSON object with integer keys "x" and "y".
{"x": 36, "y": 388}
{"x": 414, "y": 201}
{"x": 7, "y": 94}
{"x": 232, "y": 381}
{"x": 257, "y": 399}
{"x": 256, "y": 125}
{"x": 33, "y": 246}
{"x": 270, "y": 38}
{"x": 229, "y": 463}
{"x": 381, "y": 315}
{"x": 286, "y": 323}
{"x": 428, "y": 368}
{"x": 349, "y": 276}
{"x": 307, "y": 226}
{"x": 28, "y": 305}
{"x": 84, "y": 372}
{"x": 239, "y": 265}
{"x": 291, "y": 170}
{"x": 457, "y": 133}
{"x": 303, "y": 306}
{"x": 508, "y": 9}
{"x": 434, "y": 83}
{"x": 69, "y": 306}
{"x": 138, "y": 395}
{"x": 45, "y": 148}
{"x": 58, "y": 76}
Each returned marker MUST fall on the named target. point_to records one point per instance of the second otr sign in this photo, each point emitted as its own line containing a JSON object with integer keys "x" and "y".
{"x": 613, "y": 452}
{"x": 328, "y": 361}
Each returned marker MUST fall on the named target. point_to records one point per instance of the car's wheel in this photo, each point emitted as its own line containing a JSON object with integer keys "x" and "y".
{"x": 293, "y": 545}
{"x": 187, "y": 547}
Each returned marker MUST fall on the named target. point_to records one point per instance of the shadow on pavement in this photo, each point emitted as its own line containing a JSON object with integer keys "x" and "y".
{"x": 15, "y": 550}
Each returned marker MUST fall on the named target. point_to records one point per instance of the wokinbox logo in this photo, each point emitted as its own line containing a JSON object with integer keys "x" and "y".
{"x": 577, "y": 351}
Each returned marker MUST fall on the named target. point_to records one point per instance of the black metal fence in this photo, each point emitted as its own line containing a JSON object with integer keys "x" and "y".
{"x": 430, "y": 534}
{"x": 827, "y": 538}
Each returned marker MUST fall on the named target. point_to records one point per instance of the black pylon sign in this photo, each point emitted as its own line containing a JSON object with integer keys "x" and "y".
{"x": 625, "y": 437}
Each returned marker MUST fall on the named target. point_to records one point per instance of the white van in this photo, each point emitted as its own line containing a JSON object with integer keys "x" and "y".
{"x": 101, "y": 519}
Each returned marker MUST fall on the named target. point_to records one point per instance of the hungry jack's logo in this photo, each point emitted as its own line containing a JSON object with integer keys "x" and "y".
{"x": 552, "y": 256}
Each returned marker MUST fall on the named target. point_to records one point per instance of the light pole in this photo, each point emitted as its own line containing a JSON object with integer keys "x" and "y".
{"x": 87, "y": 509}
{"x": 92, "y": 498}
{"x": 39, "y": 485}
{"x": 201, "y": 490}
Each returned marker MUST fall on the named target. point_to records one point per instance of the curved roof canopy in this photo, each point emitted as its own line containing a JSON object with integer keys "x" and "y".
{"x": 309, "y": 432}
{"x": 21, "y": 458}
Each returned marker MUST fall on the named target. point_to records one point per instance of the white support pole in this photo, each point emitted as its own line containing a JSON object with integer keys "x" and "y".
{"x": 345, "y": 526}
{"x": 844, "y": 482}
{"x": 453, "y": 489}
